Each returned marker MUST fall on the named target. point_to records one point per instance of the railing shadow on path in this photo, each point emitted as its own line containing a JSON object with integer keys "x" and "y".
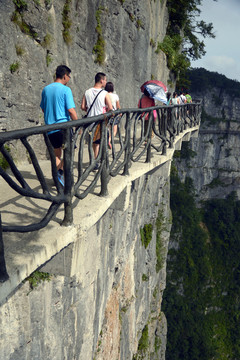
{"x": 136, "y": 140}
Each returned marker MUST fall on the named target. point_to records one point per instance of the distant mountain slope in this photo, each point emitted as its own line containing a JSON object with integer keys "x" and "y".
{"x": 202, "y": 80}
{"x": 220, "y": 95}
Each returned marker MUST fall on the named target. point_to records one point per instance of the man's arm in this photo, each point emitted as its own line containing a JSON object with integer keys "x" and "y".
{"x": 108, "y": 103}
{"x": 73, "y": 114}
{"x": 84, "y": 104}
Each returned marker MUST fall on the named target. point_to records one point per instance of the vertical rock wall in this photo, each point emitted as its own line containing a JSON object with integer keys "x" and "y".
{"x": 33, "y": 45}
{"x": 111, "y": 307}
{"x": 212, "y": 159}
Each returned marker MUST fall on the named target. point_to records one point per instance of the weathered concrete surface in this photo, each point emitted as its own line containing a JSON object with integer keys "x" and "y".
{"x": 105, "y": 286}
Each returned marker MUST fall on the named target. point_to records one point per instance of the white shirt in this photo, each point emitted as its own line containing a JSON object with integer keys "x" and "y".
{"x": 114, "y": 98}
{"x": 99, "y": 106}
{"x": 175, "y": 101}
{"x": 182, "y": 99}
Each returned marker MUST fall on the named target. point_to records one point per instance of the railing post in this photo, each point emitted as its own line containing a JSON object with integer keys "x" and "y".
{"x": 164, "y": 131}
{"x": 128, "y": 144}
{"x": 68, "y": 177}
{"x": 170, "y": 125}
{"x": 104, "y": 173}
{"x": 190, "y": 114}
{"x": 3, "y": 271}
{"x": 185, "y": 117}
{"x": 149, "y": 137}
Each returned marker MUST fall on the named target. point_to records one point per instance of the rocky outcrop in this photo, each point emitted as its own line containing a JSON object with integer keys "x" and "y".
{"x": 38, "y": 35}
{"x": 212, "y": 159}
{"x": 219, "y": 104}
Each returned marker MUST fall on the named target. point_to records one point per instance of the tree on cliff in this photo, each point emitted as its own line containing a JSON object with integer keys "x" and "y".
{"x": 183, "y": 15}
{"x": 184, "y": 29}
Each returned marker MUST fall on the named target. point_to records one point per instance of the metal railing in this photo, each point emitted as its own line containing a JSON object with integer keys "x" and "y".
{"x": 133, "y": 141}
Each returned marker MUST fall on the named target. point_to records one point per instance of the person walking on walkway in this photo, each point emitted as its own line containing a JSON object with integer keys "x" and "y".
{"x": 115, "y": 104}
{"x": 169, "y": 98}
{"x": 100, "y": 99}
{"x": 58, "y": 106}
{"x": 182, "y": 98}
{"x": 188, "y": 97}
{"x": 145, "y": 102}
{"x": 176, "y": 101}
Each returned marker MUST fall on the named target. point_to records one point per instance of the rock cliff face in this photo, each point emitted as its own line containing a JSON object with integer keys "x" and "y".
{"x": 34, "y": 41}
{"x": 212, "y": 160}
{"x": 111, "y": 307}
{"x": 220, "y": 104}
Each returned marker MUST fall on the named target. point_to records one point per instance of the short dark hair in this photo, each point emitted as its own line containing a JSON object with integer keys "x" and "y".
{"x": 62, "y": 70}
{"x": 99, "y": 76}
{"x": 109, "y": 87}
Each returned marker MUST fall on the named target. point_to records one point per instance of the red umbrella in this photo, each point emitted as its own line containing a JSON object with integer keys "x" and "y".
{"x": 155, "y": 82}
{"x": 156, "y": 90}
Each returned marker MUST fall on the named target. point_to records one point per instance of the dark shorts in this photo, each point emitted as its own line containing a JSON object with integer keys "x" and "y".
{"x": 115, "y": 120}
{"x": 97, "y": 141}
{"x": 56, "y": 139}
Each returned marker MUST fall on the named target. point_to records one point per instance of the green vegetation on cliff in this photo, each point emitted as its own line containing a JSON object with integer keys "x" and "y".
{"x": 183, "y": 15}
{"x": 201, "y": 300}
{"x": 146, "y": 234}
{"x": 181, "y": 43}
{"x": 17, "y": 18}
{"x": 99, "y": 48}
{"x": 67, "y": 22}
{"x": 3, "y": 162}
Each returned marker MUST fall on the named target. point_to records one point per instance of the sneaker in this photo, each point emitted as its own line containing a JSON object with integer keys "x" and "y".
{"x": 61, "y": 178}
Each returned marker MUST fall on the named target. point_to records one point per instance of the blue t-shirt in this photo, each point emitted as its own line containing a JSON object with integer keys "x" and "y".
{"x": 57, "y": 99}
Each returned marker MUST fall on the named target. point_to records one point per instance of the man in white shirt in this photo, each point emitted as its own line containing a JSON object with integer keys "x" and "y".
{"x": 182, "y": 98}
{"x": 102, "y": 102}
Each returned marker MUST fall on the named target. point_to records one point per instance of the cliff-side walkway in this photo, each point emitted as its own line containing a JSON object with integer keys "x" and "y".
{"x": 25, "y": 252}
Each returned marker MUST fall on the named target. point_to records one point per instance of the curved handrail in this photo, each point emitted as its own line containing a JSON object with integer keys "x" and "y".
{"x": 130, "y": 144}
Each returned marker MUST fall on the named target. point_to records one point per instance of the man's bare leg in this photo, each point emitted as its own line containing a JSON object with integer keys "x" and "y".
{"x": 58, "y": 154}
{"x": 95, "y": 150}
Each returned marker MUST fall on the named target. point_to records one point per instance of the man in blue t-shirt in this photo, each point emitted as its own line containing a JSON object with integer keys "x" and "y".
{"x": 58, "y": 106}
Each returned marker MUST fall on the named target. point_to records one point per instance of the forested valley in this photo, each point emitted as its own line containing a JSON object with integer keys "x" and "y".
{"x": 201, "y": 300}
